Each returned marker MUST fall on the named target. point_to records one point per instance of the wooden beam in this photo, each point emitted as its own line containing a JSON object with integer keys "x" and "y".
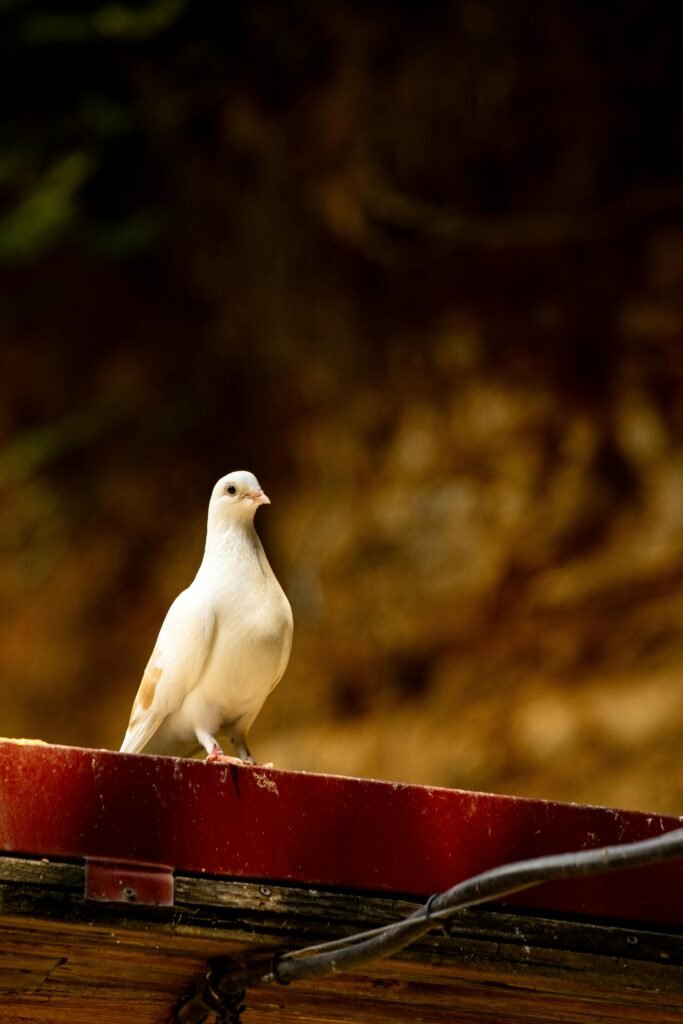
{"x": 64, "y": 958}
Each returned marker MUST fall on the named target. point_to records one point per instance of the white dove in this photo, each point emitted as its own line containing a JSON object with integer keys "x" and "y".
{"x": 224, "y": 643}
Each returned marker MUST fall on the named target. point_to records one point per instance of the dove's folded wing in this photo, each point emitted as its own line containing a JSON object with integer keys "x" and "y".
{"x": 145, "y": 717}
{"x": 178, "y": 659}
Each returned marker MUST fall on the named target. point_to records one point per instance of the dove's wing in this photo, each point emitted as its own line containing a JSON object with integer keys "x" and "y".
{"x": 178, "y": 660}
{"x": 145, "y": 718}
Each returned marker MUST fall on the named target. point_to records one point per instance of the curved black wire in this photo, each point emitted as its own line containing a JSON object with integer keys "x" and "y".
{"x": 357, "y": 950}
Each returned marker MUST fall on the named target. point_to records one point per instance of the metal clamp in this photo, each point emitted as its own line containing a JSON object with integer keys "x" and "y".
{"x": 129, "y": 882}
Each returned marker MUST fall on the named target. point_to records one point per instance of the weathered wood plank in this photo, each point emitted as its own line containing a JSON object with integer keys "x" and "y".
{"x": 203, "y": 903}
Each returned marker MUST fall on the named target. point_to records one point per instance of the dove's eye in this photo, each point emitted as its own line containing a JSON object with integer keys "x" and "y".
{"x": 231, "y": 489}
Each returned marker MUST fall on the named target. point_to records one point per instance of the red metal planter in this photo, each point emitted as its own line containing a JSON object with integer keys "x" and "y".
{"x": 136, "y": 819}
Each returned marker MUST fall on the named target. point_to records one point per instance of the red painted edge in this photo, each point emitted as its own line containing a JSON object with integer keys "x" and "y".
{"x": 315, "y": 830}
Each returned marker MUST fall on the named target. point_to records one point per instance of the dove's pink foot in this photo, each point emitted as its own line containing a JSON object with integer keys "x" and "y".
{"x": 218, "y": 756}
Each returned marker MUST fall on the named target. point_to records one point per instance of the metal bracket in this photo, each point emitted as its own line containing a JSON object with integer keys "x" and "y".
{"x": 129, "y": 882}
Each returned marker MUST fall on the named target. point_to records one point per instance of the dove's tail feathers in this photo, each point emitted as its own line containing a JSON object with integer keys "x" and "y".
{"x": 140, "y": 733}
{"x": 144, "y": 722}
{"x": 135, "y": 738}
{"x": 128, "y": 747}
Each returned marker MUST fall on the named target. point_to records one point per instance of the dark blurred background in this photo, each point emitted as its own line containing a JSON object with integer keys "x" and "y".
{"x": 418, "y": 266}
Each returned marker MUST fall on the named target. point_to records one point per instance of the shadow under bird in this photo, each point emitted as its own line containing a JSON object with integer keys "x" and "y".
{"x": 224, "y": 643}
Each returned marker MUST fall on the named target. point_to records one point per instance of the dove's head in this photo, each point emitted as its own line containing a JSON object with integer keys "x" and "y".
{"x": 236, "y": 497}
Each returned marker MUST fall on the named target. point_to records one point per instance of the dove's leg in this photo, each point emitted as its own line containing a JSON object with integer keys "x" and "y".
{"x": 239, "y": 742}
{"x": 213, "y": 749}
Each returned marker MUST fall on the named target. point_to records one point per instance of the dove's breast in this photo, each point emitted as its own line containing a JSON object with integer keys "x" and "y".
{"x": 251, "y": 649}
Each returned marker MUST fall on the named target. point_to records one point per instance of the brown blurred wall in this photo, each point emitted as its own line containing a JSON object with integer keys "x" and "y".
{"x": 419, "y": 267}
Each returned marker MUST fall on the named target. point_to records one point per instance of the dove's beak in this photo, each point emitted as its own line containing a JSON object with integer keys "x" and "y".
{"x": 259, "y": 497}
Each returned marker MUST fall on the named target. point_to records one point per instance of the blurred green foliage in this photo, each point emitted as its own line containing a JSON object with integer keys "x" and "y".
{"x": 46, "y": 211}
{"x": 68, "y": 115}
{"x": 110, "y": 21}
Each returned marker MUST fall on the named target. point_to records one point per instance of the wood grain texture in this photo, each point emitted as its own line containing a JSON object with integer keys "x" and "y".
{"x": 63, "y": 958}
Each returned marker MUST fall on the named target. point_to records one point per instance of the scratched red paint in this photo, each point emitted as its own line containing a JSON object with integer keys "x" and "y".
{"x": 315, "y": 830}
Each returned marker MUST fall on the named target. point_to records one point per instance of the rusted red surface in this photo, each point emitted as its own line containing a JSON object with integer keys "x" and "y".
{"x": 260, "y": 824}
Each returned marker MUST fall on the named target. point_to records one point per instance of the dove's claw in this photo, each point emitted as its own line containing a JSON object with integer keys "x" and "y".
{"x": 227, "y": 759}
{"x": 217, "y": 756}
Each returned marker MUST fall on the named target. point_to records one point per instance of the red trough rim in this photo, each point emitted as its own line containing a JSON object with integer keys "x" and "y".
{"x": 315, "y": 830}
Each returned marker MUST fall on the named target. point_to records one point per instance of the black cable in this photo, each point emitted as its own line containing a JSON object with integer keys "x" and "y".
{"x": 222, "y": 990}
{"x": 357, "y": 950}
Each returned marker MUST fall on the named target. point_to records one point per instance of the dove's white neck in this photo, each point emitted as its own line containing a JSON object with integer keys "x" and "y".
{"x": 233, "y": 547}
